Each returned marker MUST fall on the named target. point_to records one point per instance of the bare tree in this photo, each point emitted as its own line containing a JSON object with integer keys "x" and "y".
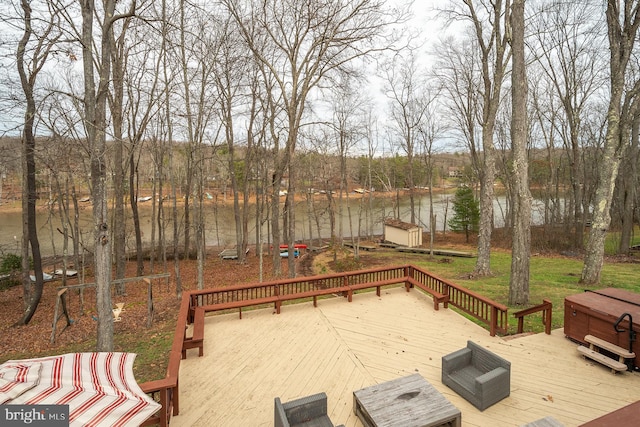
{"x": 372, "y": 146}
{"x": 167, "y": 131}
{"x": 95, "y": 109}
{"x": 568, "y": 41}
{"x": 229, "y": 73}
{"x": 489, "y": 20}
{"x": 458, "y": 72}
{"x": 346, "y": 124}
{"x": 432, "y": 129}
{"x": 626, "y": 186}
{"x": 299, "y": 46}
{"x": 623, "y": 20}
{"x": 119, "y": 57}
{"x": 33, "y": 51}
{"x": 195, "y": 56}
{"x": 546, "y": 124}
{"x": 140, "y": 80}
{"x": 521, "y": 235}
{"x": 406, "y": 89}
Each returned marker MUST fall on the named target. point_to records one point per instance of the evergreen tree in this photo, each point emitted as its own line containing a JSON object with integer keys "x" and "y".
{"x": 466, "y": 212}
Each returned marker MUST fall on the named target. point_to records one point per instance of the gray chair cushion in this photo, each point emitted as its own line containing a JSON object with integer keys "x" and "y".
{"x": 478, "y": 375}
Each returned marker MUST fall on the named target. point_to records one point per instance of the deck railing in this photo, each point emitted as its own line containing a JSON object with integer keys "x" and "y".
{"x": 546, "y": 308}
{"x": 302, "y": 285}
{"x": 489, "y": 312}
{"x": 166, "y": 391}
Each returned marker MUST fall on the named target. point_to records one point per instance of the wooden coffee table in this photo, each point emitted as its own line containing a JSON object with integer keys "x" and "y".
{"x": 404, "y": 402}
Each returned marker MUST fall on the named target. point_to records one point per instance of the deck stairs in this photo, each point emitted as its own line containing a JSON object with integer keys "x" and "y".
{"x": 593, "y": 352}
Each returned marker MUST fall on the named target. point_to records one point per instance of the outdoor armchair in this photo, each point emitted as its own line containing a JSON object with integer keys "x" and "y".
{"x": 478, "y": 375}
{"x": 310, "y": 411}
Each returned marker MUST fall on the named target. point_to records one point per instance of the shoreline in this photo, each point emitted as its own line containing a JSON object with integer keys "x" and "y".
{"x": 15, "y": 205}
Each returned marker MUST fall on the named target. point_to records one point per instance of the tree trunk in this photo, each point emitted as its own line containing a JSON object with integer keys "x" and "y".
{"x": 291, "y": 218}
{"x": 627, "y": 188}
{"x": 483, "y": 262}
{"x": 493, "y": 48}
{"x": 169, "y": 142}
{"x": 119, "y": 221}
{"x": 29, "y": 196}
{"x": 133, "y": 200}
{"x": 190, "y": 132}
{"x": 201, "y": 252}
{"x": 521, "y": 208}
{"x": 622, "y": 32}
{"x": 275, "y": 222}
{"x": 95, "y": 123}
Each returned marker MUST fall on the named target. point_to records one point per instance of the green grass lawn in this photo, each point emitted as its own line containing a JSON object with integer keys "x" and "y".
{"x": 550, "y": 277}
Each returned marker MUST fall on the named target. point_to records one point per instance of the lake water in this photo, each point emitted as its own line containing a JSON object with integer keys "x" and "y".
{"x": 221, "y": 232}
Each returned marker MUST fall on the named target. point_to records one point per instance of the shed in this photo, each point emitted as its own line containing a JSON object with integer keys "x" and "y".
{"x": 402, "y": 233}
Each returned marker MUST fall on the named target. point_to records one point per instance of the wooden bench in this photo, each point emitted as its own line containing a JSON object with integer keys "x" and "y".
{"x": 593, "y": 352}
{"x": 197, "y": 338}
{"x": 437, "y": 296}
{"x": 275, "y": 299}
{"x": 377, "y": 285}
{"x": 315, "y": 293}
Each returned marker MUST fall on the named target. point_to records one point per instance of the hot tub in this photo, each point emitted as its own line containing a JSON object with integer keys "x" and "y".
{"x": 596, "y": 312}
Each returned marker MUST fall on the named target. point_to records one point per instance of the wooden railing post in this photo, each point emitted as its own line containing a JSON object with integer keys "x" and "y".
{"x": 520, "y": 325}
{"x": 494, "y": 321}
{"x": 445, "y": 291}
{"x": 277, "y": 303}
{"x": 546, "y": 308}
{"x": 547, "y": 316}
{"x": 175, "y": 396}
{"x": 164, "y": 400}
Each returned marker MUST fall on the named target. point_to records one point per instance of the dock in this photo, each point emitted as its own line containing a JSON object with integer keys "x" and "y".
{"x": 362, "y": 246}
{"x": 441, "y": 252}
{"x": 230, "y": 253}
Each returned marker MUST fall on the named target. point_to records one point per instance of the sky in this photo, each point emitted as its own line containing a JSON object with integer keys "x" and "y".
{"x": 10, "y": 118}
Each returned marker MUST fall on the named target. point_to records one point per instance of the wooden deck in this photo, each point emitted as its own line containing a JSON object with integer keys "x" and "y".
{"x": 340, "y": 347}
{"x": 441, "y": 252}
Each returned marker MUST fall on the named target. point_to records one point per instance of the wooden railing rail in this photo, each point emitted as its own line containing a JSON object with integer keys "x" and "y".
{"x": 546, "y": 308}
{"x": 302, "y": 285}
{"x": 487, "y": 311}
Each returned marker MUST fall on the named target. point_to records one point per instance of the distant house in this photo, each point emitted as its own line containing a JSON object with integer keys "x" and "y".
{"x": 402, "y": 233}
{"x": 455, "y": 172}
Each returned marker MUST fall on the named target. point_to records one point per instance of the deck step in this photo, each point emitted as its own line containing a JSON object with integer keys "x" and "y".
{"x": 598, "y": 342}
{"x": 601, "y": 358}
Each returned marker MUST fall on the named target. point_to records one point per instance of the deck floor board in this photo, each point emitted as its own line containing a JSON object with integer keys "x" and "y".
{"x": 341, "y": 347}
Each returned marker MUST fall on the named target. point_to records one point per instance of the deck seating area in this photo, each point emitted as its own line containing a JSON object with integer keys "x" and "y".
{"x": 339, "y": 347}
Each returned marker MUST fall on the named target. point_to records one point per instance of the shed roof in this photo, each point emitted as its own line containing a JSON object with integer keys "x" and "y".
{"x": 396, "y": 223}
